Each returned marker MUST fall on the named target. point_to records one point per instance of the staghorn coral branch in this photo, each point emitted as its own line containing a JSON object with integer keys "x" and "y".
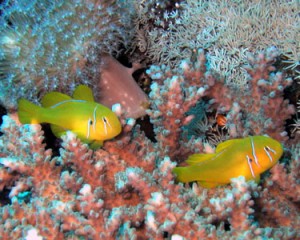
{"x": 126, "y": 189}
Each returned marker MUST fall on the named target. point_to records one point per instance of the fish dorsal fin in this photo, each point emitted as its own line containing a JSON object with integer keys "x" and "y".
{"x": 194, "y": 159}
{"x": 53, "y": 98}
{"x": 83, "y": 92}
{"x": 226, "y": 144}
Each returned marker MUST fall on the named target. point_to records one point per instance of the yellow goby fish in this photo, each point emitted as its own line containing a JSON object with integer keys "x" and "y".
{"x": 90, "y": 121}
{"x": 248, "y": 157}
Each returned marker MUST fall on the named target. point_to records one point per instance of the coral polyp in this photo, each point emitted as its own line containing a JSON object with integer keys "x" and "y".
{"x": 47, "y": 45}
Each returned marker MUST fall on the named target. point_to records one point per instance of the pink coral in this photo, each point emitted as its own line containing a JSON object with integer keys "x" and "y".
{"x": 126, "y": 189}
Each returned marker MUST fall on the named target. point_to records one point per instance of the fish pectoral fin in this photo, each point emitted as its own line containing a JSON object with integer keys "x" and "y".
{"x": 257, "y": 179}
{"x": 226, "y": 144}
{"x": 57, "y": 130}
{"x": 83, "y": 92}
{"x": 53, "y": 98}
{"x": 194, "y": 159}
{"x": 209, "y": 184}
{"x": 95, "y": 145}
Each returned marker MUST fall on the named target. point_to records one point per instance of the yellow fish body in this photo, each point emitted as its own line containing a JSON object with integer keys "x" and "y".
{"x": 90, "y": 121}
{"x": 248, "y": 157}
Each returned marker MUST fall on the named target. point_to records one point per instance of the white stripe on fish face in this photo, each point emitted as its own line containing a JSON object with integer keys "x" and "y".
{"x": 104, "y": 120}
{"x": 254, "y": 153}
{"x": 108, "y": 123}
{"x": 267, "y": 151}
{"x": 66, "y": 101}
{"x": 89, "y": 123}
{"x": 249, "y": 160}
{"x": 95, "y": 119}
{"x": 270, "y": 149}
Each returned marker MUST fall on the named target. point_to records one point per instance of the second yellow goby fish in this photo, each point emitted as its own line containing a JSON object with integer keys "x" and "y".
{"x": 90, "y": 121}
{"x": 248, "y": 157}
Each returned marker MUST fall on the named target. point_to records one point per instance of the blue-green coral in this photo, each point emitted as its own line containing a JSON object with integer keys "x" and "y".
{"x": 46, "y": 45}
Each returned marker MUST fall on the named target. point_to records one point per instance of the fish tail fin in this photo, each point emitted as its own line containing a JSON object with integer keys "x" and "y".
{"x": 184, "y": 174}
{"x": 28, "y": 112}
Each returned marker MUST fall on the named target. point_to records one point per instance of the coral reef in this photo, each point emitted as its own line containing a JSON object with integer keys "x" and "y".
{"x": 251, "y": 109}
{"x": 126, "y": 189}
{"x": 167, "y": 33}
{"x": 207, "y": 60}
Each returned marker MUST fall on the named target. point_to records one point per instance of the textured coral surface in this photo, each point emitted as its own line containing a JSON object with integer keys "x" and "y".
{"x": 61, "y": 189}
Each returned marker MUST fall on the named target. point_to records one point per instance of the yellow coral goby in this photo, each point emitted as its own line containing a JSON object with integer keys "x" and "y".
{"x": 248, "y": 157}
{"x": 90, "y": 121}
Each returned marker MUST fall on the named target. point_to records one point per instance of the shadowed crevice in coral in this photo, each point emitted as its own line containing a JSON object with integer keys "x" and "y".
{"x": 3, "y": 112}
{"x": 147, "y": 127}
{"x": 292, "y": 93}
{"x": 4, "y": 198}
{"x": 51, "y": 141}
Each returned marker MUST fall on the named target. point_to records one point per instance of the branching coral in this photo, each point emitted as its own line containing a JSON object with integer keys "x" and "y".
{"x": 256, "y": 105}
{"x": 174, "y": 94}
{"x": 227, "y": 29}
{"x": 250, "y": 110}
{"x": 126, "y": 190}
